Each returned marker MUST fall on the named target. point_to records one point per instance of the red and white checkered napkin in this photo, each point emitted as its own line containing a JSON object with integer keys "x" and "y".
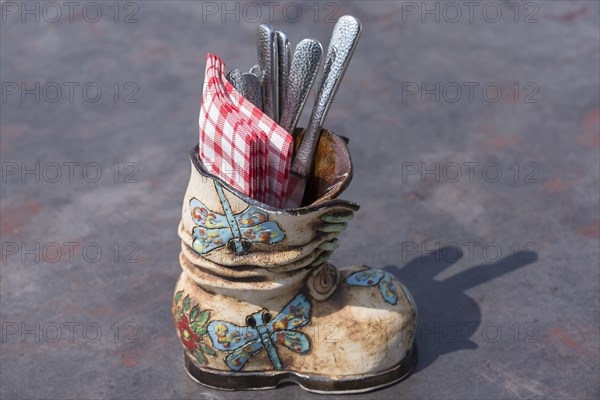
{"x": 239, "y": 143}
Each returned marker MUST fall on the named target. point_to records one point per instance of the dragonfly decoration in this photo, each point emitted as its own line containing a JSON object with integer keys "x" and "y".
{"x": 372, "y": 277}
{"x": 236, "y": 231}
{"x": 263, "y": 331}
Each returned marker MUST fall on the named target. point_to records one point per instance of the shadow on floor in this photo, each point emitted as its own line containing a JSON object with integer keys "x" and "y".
{"x": 448, "y": 317}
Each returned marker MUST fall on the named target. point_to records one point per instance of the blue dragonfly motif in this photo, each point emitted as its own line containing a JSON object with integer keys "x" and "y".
{"x": 263, "y": 332}
{"x": 372, "y": 277}
{"x": 236, "y": 231}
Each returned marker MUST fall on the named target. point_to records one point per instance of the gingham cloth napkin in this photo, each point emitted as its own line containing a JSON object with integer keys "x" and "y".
{"x": 239, "y": 143}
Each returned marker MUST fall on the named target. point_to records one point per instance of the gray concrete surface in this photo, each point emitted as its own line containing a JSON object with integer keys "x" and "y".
{"x": 504, "y": 268}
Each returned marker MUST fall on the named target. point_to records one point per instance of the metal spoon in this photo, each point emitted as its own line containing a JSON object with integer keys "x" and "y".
{"x": 255, "y": 70}
{"x": 236, "y": 78}
{"x": 341, "y": 47}
{"x": 303, "y": 71}
{"x": 284, "y": 57}
{"x": 253, "y": 91}
{"x": 267, "y": 61}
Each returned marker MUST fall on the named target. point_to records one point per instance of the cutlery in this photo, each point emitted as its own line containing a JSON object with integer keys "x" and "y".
{"x": 303, "y": 71}
{"x": 255, "y": 70}
{"x": 236, "y": 79}
{"x": 341, "y": 47}
{"x": 267, "y": 61}
{"x": 253, "y": 91}
{"x": 284, "y": 60}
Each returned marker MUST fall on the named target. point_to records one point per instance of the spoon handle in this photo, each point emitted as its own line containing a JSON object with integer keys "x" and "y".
{"x": 341, "y": 47}
{"x": 236, "y": 79}
{"x": 255, "y": 70}
{"x": 253, "y": 89}
{"x": 303, "y": 72}
{"x": 284, "y": 60}
{"x": 267, "y": 61}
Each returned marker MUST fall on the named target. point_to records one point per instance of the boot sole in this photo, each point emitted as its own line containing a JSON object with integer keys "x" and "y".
{"x": 225, "y": 380}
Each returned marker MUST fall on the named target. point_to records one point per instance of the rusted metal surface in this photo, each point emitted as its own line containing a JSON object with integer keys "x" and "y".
{"x": 523, "y": 323}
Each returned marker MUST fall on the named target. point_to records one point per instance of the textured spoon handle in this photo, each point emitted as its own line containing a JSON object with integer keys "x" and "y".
{"x": 303, "y": 72}
{"x": 343, "y": 42}
{"x": 284, "y": 60}
{"x": 236, "y": 79}
{"x": 255, "y": 70}
{"x": 253, "y": 92}
{"x": 267, "y": 61}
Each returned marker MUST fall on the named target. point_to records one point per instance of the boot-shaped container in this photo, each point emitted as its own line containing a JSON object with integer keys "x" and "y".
{"x": 257, "y": 303}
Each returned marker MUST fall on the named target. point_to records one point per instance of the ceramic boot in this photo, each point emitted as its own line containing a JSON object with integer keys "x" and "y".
{"x": 258, "y": 304}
